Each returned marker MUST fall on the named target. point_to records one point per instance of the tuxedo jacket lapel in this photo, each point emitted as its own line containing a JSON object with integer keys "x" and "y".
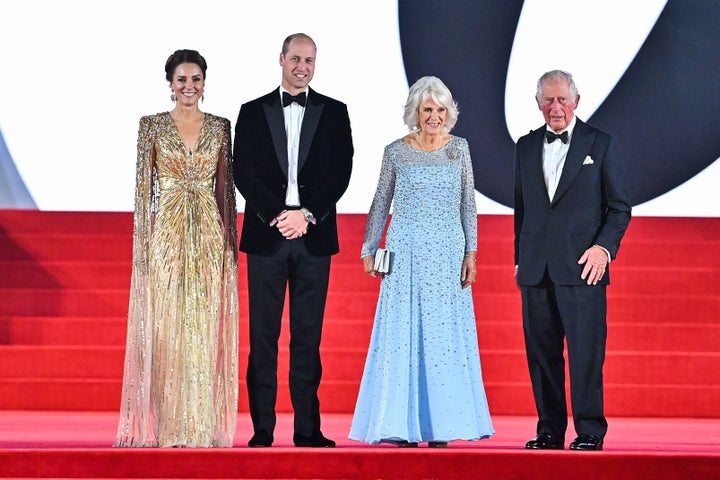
{"x": 580, "y": 145}
{"x": 535, "y": 165}
{"x": 276, "y": 122}
{"x": 311, "y": 118}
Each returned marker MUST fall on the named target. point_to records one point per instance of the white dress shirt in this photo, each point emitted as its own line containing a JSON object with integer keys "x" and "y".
{"x": 293, "y": 123}
{"x": 554, "y": 155}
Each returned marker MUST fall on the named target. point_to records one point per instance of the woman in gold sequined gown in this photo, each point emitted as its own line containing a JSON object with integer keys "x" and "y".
{"x": 180, "y": 380}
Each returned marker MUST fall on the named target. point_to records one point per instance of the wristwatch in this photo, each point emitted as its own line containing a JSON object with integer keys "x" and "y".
{"x": 309, "y": 217}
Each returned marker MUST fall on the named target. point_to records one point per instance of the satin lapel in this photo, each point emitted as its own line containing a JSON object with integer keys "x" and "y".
{"x": 276, "y": 122}
{"x": 535, "y": 161}
{"x": 580, "y": 145}
{"x": 311, "y": 118}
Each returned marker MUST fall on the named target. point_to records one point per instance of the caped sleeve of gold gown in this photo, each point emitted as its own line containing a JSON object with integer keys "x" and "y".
{"x": 136, "y": 426}
{"x": 227, "y": 395}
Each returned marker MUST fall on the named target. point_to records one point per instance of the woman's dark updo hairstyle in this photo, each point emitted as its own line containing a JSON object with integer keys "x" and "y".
{"x": 184, "y": 56}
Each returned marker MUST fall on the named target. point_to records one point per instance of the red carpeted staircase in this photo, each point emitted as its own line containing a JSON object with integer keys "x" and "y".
{"x": 64, "y": 279}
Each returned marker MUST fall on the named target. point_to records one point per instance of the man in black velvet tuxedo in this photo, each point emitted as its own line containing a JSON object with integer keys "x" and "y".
{"x": 571, "y": 212}
{"x": 293, "y": 156}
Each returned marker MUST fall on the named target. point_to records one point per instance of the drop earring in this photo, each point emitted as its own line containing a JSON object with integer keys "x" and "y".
{"x": 202, "y": 98}
{"x": 173, "y": 98}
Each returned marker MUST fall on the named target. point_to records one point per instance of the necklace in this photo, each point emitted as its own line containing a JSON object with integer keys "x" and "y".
{"x": 432, "y": 146}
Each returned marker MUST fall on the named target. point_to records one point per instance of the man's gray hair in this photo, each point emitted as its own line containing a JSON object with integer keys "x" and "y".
{"x": 560, "y": 76}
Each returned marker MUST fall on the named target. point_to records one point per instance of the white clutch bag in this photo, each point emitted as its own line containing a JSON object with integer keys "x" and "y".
{"x": 382, "y": 260}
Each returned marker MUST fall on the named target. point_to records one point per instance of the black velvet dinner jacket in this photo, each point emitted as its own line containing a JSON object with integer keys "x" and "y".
{"x": 260, "y": 169}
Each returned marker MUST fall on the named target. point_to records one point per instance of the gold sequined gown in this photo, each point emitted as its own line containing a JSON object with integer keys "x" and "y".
{"x": 180, "y": 379}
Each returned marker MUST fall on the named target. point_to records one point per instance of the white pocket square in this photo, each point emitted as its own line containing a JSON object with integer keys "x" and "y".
{"x": 588, "y": 160}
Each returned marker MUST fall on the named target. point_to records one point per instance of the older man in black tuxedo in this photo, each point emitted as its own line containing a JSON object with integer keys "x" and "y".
{"x": 293, "y": 157}
{"x": 571, "y": 212}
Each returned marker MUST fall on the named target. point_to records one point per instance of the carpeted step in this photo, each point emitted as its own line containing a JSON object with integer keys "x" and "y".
{"x": 66, "y": 274}
{"x": 504, "y": 398}
{"x": 33, "y": 361}
{"x": 658, "y": 307}
{"x": 62, "y": 302}
{"x": 345, "y": 333}
{"x": 114, "y": 302}
{"x": 59, "y": 222}
{"x": 63, "y": 330}
{"x": 661, "y": 280}
{"x": 663, "y": 307}
{"x": 663, "y": 336}
{"x": 668, "y": 367}
{"x": 66, "y": 247}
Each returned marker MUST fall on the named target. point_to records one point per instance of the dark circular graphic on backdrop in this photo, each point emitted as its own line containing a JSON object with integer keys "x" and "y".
{"x": 664, "y": 111}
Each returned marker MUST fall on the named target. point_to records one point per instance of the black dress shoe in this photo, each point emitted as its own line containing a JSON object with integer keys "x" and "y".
{"x": 262, "y": 438}
{"x": 317, "y": 440}
{"x": 545, "y": 441}
{"x": 587, "y": 441}
{"x": 406, "y": 444}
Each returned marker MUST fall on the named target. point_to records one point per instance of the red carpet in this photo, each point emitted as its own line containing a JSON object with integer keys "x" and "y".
{"x": 76, "y": 445}
{"x": 64, "y": 279}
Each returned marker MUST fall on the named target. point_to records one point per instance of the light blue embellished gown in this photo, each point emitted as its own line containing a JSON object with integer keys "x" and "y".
{"x": 422, "y": 380}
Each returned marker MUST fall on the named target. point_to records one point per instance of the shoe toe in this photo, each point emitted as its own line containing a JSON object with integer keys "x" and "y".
{"x": 545, "y": 441}
{"x": 587, "y": 442}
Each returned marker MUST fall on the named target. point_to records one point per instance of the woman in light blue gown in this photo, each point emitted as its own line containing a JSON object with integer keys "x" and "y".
{"x": 422, "y": 380}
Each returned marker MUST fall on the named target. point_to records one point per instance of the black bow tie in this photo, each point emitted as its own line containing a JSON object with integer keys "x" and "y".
{"x": 552, "y": 136}
{"x": 299, "y": 99}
